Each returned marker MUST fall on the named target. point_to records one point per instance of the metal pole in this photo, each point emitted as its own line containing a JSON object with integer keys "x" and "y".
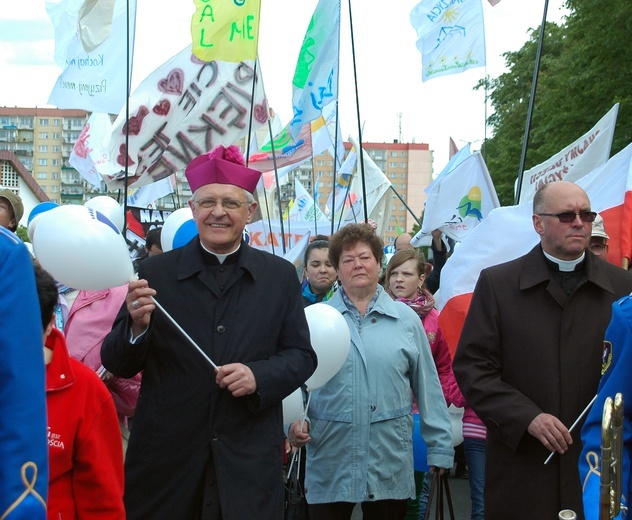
{"x": 534, "y": 85}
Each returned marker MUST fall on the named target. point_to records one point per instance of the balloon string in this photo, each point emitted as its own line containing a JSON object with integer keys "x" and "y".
{"x": 309, "y": 397}
{"x": 189, "y": 338}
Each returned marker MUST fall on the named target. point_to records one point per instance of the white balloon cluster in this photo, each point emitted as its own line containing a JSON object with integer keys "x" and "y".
{"x": 80, "y": 246}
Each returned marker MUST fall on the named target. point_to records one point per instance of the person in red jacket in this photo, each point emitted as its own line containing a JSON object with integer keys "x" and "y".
{"x": 84, "y": 442}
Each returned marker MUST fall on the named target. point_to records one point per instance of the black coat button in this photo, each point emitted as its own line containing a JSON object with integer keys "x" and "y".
{"x": 221, "y": 329}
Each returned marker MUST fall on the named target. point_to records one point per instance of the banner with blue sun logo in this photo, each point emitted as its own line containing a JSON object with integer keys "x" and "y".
{"x": 450, "y": 36}
{"x": 461, "y": 199}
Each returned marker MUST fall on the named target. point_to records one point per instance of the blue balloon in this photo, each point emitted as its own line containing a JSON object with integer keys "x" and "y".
{"x": 420, "y": 450}
{"x": 41, "y": 208}
{"x": 389, "y": 249}
{"x": 185, "y": 234}
{"x": 246, "y": 236}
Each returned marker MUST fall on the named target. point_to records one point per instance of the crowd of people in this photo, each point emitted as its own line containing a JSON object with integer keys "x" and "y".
{"x": 164, "y": 396}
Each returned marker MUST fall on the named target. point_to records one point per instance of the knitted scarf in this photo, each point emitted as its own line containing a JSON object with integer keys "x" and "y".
{"x": 422, "y": 304}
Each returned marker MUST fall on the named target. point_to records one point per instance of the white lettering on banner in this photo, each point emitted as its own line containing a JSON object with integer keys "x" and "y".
{"x": 153, "y": 215}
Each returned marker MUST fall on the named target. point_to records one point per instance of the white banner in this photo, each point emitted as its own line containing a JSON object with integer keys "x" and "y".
{"x": 580, "y": 157}
{"x": 95, "y": 80}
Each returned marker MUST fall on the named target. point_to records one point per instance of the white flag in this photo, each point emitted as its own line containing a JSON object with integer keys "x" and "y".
{"x": 94, "y": 81}
{"x": 450, "y": 36}
{"x": 377, "y": 194}
{"x": 147, "y": 195}
{"x": 459, "y": 202}
{"x": 304, "y": 206}
{"x": 580, "y": 157}
{"x": 89, "y": 153}
{"x": 315, "y": 82}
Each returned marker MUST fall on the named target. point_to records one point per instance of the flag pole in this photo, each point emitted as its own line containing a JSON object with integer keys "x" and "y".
{"x": 333, "y": 191}
{"x": 278, "y": 188}
{"x": 534, "y": 84}
{"x": 355, "y": 80}
{"x": 406, "y": 205}
{"x": 127, "y": 93}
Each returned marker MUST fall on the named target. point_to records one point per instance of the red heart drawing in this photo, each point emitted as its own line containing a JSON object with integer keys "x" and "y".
{"x": 162, "y": 107}
{"x": 172, "y": 84}
{"x": 135, "y": 122}
{"x": 121, "y": 158}
{"x": 261, "y": 113}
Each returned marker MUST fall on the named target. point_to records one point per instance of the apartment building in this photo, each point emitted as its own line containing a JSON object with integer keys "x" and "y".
{"x": 43, "y": 138}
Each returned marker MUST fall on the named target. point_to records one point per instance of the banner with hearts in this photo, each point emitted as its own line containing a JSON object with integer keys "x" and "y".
{"x": 183, "y": 109}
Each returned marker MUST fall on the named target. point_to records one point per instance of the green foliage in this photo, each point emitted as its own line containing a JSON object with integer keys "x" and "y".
{"x": 585, "y": 68}
{"x": 22, "y": 232}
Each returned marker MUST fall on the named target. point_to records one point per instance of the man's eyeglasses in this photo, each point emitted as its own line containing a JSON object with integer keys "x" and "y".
{"x": 567, "y": 217}
{"x": 597, "y": 249}
{"x": 227, "y": 204}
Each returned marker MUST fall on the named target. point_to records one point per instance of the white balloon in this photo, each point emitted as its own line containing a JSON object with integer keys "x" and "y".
{"x": 171, "y": 226}
{"x": 108, "y": 207}
{"x": 293, "y": 407}
{"x": 36, "y": 214}
{"x": 82, "y": 249}
{"x": 330, "y": 338}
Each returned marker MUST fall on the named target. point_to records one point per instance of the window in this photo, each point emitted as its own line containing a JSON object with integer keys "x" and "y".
{"x": 42, "y": 176}
{"x": 55, "y": 162}
{"x": 26, "y": 121}
{"x": 320, "y": 163}
{"x": 404, "y": 154}
{"x": 42, "y": 162}
{"x": 43, "y": 121}
{"x": 392, "y": 228}
{"x": 43, "y": 188}
{"x": 42, "y": 148}
{"x": 402, "y": 185}
{"x": 55, "y": 175}
{"x": 330, "y": 184}
{"x": 56, "y": 135}
{"x": 404, "y": 165}
{"x": 403, "y": 175}
{"x": 393, "y": 164}
{"x": 55, "y": 149}
{"x": 56, "y": 122}
{"x": 54, "y": 189}
{"x": 392, "y": 176}
{"x": 393, "y": 153}
{"x": 43, "y": 135}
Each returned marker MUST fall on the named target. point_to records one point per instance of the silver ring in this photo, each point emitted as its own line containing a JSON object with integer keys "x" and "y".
{"x": 135, "y": 304}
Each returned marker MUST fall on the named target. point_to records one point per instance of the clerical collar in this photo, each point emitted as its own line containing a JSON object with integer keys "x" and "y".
{"x": 220, "y": 258}
{"x": 565, "y": 265}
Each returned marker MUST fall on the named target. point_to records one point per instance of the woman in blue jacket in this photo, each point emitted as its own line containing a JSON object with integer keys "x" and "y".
{"x": 359, "y": 444}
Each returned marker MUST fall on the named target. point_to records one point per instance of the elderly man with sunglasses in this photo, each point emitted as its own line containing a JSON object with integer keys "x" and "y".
{"x": 206, "y": 441}
{"x": 529, "y": 357}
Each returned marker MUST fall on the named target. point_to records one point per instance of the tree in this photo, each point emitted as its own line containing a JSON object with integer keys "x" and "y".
{"x": 585, "y": 68}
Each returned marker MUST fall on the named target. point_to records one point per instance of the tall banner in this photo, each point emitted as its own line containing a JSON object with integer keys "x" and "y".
{"x": 90, "y": 149}
{"x": 91, "y": 48}
{"x": 227, "y": 31}
{"x": 461, "y": 200}
{"x": 450, "y": 36}
{"x": 576, "y": 160}
{"x": 315, "y": 82}
{"x": 183, "y": 109}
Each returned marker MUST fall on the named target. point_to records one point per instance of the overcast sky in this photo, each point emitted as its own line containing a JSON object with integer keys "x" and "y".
{"x": 388, "y": 63}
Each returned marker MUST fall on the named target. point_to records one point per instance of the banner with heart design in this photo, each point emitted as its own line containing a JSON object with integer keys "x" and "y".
{"x": 183, "y": 109}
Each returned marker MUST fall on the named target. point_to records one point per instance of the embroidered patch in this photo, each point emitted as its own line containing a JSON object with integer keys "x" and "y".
{"x": 606, "y": 357}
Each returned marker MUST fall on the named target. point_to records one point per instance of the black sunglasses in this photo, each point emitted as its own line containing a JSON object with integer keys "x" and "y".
{"x": 568, "y": 216}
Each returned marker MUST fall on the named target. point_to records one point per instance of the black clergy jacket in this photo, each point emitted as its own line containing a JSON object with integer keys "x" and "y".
{"x": 184, "y": 423}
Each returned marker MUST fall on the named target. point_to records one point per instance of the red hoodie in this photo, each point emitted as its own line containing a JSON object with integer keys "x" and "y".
{"x": 84, "y": 441}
